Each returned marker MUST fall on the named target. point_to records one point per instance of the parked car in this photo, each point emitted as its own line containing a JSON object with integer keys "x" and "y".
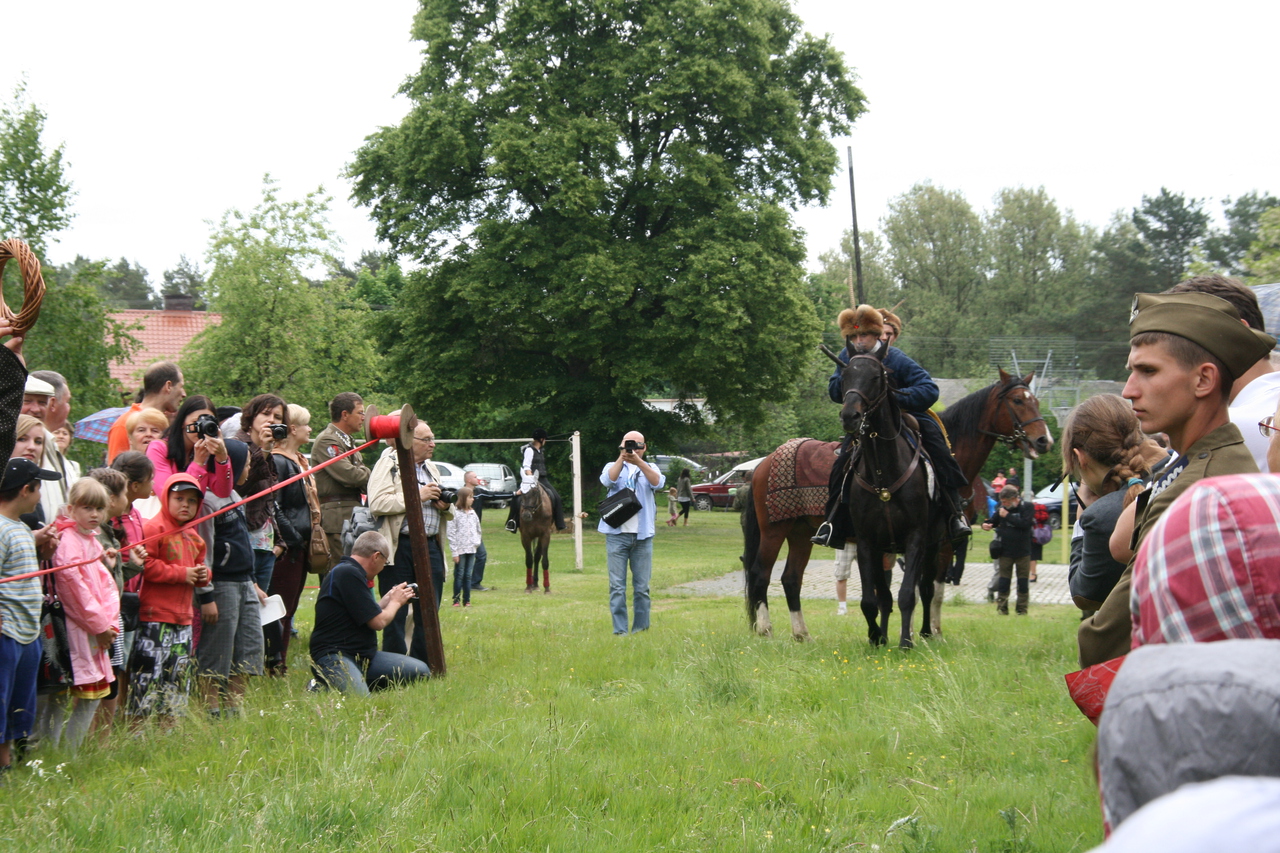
{"x": 499, "y": 479}
{"x": 671, "y": 465}
{"x": 720, "y": 491}
{"x": 1051, "y": 498}
{"x": 450, "y": 476}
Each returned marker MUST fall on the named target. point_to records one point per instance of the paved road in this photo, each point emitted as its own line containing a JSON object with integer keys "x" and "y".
{"x": 819, "y": 582}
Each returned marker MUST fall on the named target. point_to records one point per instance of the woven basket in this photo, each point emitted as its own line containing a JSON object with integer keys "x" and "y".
{"x": 32, "y": 282}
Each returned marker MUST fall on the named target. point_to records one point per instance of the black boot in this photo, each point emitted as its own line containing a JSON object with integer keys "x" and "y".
{"x": 826, "y": 535}
{"x": 959, "y": 527}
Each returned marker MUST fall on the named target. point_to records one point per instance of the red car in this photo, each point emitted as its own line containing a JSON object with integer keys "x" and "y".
{"x": 720, "y": 491}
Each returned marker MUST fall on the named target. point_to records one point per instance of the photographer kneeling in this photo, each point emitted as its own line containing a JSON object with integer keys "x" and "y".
{"x": 344, "y": 644}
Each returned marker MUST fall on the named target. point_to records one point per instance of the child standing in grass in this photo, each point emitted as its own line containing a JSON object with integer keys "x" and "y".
{"x": 673, "y": 506}
{"x": 160, "y": 667}
{"x": 464, "y": 539}
{"x": 91, "y": 603}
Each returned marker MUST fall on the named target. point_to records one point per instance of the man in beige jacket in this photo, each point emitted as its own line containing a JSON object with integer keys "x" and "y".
{"x": 386, "y": 501}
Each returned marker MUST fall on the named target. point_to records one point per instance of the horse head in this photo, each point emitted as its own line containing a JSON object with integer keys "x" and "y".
{"x": 864, "y": 385}
{"x": 1018, "y": 417}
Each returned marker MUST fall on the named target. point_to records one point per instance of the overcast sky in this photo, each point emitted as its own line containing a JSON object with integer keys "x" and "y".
{"x": 172, "y": 112}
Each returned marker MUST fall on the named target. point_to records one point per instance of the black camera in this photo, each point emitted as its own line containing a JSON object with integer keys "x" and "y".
{"x": 279, "y": 432}
{"x": 207, "y": 426}
{"x": 449, "y": 496}
{"x": 414, "y": 587}
{"x": 631, "y": 445}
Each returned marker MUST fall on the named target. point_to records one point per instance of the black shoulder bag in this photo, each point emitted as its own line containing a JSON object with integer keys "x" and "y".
{"x": 620, "y": 507}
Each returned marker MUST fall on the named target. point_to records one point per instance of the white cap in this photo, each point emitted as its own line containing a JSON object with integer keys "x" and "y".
{"x": 38, "y": 386}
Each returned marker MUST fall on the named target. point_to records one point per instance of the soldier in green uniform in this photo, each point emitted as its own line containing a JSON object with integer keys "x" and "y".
{"x": 339, "y": 485}
{"x": 1185, "y": 351}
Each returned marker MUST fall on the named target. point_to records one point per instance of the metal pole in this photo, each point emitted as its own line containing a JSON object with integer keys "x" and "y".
{"x": 857, "y": 240}
{"x": 428, "y": 617}
{"x": 575, "y": 447}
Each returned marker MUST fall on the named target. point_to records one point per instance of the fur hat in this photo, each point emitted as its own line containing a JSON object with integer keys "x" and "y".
{"x": 865, "y": 320}
{"x": 892, "y": 319}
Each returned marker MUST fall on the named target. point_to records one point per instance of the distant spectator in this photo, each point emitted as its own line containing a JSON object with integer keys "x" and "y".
{"x": 341, "y": 484}
{"x": 162, "y": 391}
{"x": 29, "y": 437}
{"x": 54, "y": 495}
{"x": 344, "y": 642}
{"x": 298, "y": 504}
{"x": 1254, "y": 393}
{"x": 631, "y": 543}
{"x": 684, "y": 494}
{"x": 1014, "y": 518}
{"x": 62, "y": 439}
{"x": 481, "y": 490}
{"x": 143, "y": 427}
{"x": 464, "y": 538}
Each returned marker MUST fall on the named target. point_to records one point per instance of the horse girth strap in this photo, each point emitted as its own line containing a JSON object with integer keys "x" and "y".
{"x": 885, "y": 494}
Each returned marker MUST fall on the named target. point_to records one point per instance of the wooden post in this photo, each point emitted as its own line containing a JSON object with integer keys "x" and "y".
{"x": 428, "y": 616}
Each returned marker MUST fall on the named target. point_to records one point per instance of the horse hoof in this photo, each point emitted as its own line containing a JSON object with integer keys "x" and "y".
{"x": 531, "y": 588}
{"x": 802, "y": 638}
{"x": 547, "y": 590}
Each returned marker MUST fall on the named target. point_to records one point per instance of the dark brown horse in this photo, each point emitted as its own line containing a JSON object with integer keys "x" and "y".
{"x": 536, "y": 526}
{"x": 1006, "y": 411}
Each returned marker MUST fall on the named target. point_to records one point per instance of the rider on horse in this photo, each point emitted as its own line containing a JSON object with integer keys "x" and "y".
{"x": 866, "y": 330}
{"x": 533, "y": 470}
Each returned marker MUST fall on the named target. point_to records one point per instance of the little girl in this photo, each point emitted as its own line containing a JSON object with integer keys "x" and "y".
{"x": 464, "y": 538}
{"x": 673, "y": 506}
{"x": 92, "y": 607}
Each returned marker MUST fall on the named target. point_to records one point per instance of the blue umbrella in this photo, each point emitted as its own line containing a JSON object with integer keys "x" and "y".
{"x": 96, "y": 426}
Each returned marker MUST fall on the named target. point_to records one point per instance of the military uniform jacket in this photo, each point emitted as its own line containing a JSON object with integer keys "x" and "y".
{"x": 345, "y": 479}
{"x": 1107, "y": 633}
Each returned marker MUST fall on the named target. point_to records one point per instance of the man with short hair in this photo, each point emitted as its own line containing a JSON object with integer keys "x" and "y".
{"x": 386, "y": 500}
{"x": 1256, "y": 392}
{"x": 344, "y": 642}
{"x": 55, "y": 417}
{"x": 481, "y": 491}
{"x": 1185, "y": 352}
{"x": 1014, "y": 518}
{"x": 339, "y": 485}
{"x": 163, "y": 389}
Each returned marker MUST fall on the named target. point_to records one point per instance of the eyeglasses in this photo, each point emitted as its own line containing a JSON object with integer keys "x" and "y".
{"x": 1267, "y": 426}
{"x": 431, "y": 440}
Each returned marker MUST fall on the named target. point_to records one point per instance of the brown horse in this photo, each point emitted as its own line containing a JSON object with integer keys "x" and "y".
{"x": 1006, "y": 411}
{"x": 536, "y": 526}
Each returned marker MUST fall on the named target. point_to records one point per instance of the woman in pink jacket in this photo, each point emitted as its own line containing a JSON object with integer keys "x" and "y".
{"x": 92, "y": 607}
{"x": 193, "y": 445}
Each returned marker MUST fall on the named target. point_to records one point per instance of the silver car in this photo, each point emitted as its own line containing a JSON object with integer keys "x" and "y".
{"x": 498, "y": 478}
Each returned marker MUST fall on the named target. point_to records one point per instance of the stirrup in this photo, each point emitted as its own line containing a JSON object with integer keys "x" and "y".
{"x": 823, "y": 536}
{"x": 510, "y": 526}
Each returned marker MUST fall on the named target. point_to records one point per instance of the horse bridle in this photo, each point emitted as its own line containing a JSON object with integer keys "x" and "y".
{"x": 885, "y": 494}
{"x": 1019, "y": 427}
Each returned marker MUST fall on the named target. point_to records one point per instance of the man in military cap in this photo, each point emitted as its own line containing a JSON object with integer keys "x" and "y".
{"x": 339, "y": 485}
{"x": 1185, "y": 352}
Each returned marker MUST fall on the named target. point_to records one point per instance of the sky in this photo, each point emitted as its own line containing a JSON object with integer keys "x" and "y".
{"x": 172, "y": 113}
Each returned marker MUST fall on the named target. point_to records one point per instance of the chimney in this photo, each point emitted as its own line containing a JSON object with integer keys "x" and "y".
{"x": 179, "y": 302}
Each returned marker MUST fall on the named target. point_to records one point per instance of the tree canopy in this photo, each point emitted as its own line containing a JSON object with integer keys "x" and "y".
{"x": 35, "y": 192}
{"x": 599, "y": 195}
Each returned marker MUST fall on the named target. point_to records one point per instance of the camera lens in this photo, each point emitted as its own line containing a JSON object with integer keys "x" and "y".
{"x": 279, "y": 432}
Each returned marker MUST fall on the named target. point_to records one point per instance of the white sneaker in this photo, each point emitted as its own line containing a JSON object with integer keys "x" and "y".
{"x": 842, "y": 608}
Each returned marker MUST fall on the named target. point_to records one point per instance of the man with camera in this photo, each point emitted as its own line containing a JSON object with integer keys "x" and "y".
{"x": 344, "y": 644}
{"x": 339, "y": 485}
{"x": 386, "y": 501}
{"x": 632, "y": 541}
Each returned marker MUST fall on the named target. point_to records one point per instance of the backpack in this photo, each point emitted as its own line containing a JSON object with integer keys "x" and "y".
{"x": 1041, "y": 534}
{"x": 361, "y": 521}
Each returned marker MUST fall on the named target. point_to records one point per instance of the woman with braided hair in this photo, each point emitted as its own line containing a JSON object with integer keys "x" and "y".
{"x": 1104, "y": 447}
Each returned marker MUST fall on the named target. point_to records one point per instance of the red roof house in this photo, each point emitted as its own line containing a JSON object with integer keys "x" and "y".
{"x": 163, "y": 334}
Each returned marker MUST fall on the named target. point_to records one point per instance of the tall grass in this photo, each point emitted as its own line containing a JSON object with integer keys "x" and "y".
{"x": 550, "y": 733}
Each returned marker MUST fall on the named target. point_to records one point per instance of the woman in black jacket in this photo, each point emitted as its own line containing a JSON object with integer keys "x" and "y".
{"x": 1014, "y": 518}
{"x": 293, "y": 520}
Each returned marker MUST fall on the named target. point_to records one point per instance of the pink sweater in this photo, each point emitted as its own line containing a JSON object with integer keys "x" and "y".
{"x": 218, "y": 481}
{"x": 90, "y": 601}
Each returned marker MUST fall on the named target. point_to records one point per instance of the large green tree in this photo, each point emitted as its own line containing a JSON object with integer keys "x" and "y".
{"x": 35, "y": 192}
{"x": 599, "y": 194}
{"x": 1229, "y": 248}
{"x": 280, "y": 332}
{"x": 1172, "y": 227}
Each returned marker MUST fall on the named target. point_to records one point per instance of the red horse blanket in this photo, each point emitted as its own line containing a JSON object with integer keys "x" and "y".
{"x": 798, "y": 477}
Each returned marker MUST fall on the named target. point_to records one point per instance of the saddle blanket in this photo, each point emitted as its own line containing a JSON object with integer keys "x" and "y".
{"x": 798, "y": 478}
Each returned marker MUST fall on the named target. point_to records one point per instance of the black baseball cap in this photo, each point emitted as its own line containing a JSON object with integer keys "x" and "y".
{"x": 21, "y": 471}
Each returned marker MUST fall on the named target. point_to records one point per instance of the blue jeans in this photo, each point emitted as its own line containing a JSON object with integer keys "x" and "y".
{"x": 342, "y": 673}
{"x": 264, "y": 563}
{"x": 477, "y": 573}
{"x": 462, "y": 577}
{"x": 622, "y": 548}
{"x": 401, "y": 571}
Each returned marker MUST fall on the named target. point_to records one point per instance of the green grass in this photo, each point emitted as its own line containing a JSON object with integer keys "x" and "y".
{"x": 549, "y": 733}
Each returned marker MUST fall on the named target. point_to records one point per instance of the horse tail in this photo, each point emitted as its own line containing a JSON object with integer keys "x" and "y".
{"x": 750, "y": 545}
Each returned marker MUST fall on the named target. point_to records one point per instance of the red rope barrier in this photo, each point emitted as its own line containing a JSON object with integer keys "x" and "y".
{"x": 190, "y": 524}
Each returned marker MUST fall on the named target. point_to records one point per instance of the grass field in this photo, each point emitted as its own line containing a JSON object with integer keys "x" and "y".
{"x": 551, "y": 734}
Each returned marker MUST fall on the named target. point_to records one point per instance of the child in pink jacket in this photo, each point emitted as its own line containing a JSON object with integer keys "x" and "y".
{"x": 92, "y": 607}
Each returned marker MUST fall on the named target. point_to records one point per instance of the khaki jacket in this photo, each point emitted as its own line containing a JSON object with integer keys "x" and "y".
{"x": 1107, "y": 633}
{"x": 386, "y": 498}
{"x": 344, "y": 479}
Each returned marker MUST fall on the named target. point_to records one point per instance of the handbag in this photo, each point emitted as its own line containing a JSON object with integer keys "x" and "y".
{"x": 318, "y": 547}
{"x": 54, "y": 674}
{"x": 619, "y": 507}
{"x": 996, "y": 548}
{"x": 1041, "y": 534}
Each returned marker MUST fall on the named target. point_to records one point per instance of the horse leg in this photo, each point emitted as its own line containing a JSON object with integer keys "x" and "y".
{"x": 871, "y": 575}
{"x": 927, "y": 581}
{"x": 530, "y": 579}
{"x": 798, "y": 550}
{"x": 761, "y": 573}
{"x": 545, "y": 547}
{"x": 943, "y": 563}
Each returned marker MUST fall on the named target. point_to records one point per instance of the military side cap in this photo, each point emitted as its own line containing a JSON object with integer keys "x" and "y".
{"x": 1203, "y": 319}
